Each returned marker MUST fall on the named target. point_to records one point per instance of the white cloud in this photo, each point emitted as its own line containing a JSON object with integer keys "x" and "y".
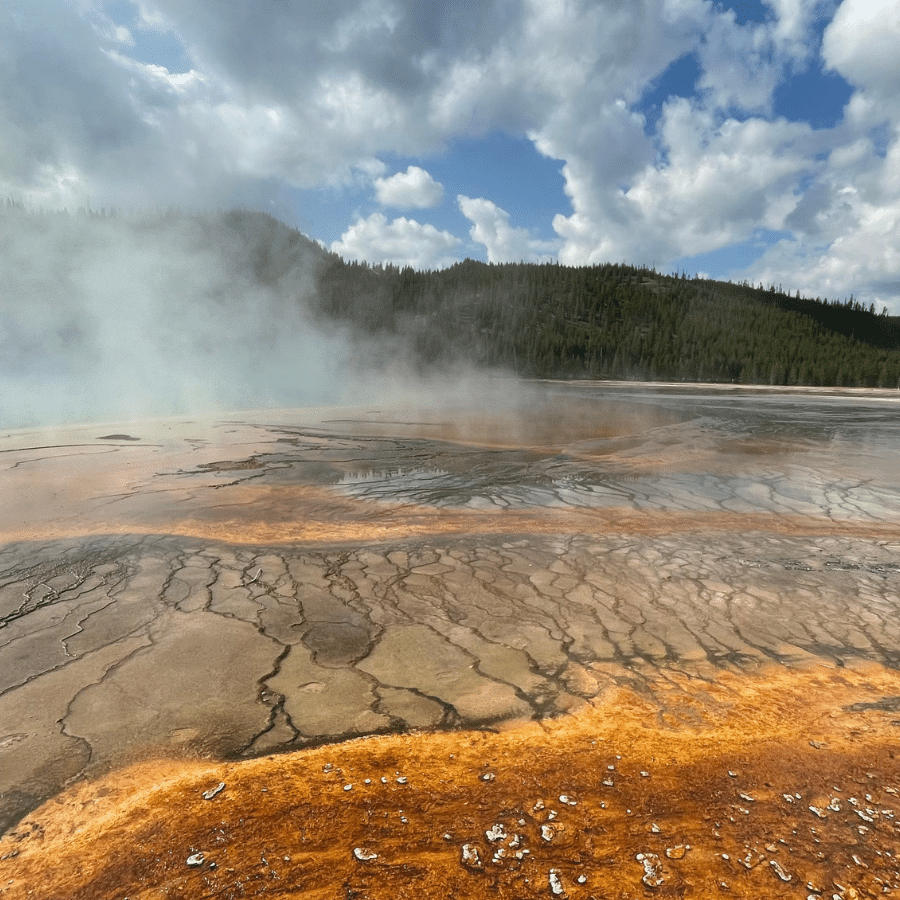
{"x": 303, "y": 95}
{"x": 414, "y": 188}
{"x": 490, "y": 226}
{"x": 403, "y": 242}
{"x": 862, "y": 42}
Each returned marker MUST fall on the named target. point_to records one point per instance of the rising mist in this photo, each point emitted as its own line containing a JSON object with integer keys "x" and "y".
{"x": 120, "y": 318}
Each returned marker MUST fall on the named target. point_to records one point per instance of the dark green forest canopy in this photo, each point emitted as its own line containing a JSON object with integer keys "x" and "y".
{"x": 553, "y": 321}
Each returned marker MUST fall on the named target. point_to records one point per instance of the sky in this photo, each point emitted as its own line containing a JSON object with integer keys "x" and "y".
{"x": 750, "y": 141}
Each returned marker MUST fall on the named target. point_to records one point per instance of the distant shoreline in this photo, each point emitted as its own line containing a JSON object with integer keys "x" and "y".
{"x": 828, "y": 390}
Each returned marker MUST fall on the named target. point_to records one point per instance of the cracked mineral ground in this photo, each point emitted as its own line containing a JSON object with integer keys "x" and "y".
{"x": 587, "y": 641}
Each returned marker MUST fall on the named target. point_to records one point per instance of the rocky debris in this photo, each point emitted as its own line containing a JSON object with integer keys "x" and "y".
{"x": 652, "y": 876}
{"x": 548, "y": 832}
{"x": 196, "y": 859}
{"x": 470, "y": 856}
{"x": 747, "y": 797}
{"x": 555, "y": 884}
{"x": 776, "y": 868}
{"x": 496, "y": 833}
{"x": 402, "y": 779}
{"x": 817, "y": 811}
{"x": 208, "y": 795}
{"x": 678, "y": 851}
{"x": 488, "y": 776}
{"x": 655, "y": 828}
{"x": 364, "y": 854}
{"x": 751, "y": 859}
{"x": 569, "y": 801}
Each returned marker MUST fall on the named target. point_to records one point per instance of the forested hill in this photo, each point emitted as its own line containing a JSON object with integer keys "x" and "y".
{"x": 617, "y": 321}
{"x": 603, "y": 321}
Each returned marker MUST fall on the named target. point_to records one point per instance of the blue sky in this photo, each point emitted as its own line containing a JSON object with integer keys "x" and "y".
{"x": 756, "y": 141}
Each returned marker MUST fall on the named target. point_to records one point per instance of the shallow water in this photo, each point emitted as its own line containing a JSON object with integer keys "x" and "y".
{"x": 270, "y": 581}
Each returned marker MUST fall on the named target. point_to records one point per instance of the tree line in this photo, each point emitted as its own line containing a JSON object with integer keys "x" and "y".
{"x": 608, "y": 321}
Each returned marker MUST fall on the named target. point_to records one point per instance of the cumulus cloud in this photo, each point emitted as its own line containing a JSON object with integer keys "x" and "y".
{"x": 310, "y": 95}
{"x": 861, "y": 43}
{"x": 414, "y": 188}
{"x": 403, "y": 242}
{"x": 490, "y": 226}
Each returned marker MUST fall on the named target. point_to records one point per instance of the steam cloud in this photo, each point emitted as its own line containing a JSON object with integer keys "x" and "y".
{"x": 105, "y": 319}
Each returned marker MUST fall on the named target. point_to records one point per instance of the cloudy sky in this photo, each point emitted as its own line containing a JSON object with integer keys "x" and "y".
{"x": 742, "y": 140}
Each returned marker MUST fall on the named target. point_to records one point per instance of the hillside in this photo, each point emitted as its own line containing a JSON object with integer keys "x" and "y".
{"x": 604, "y": 321}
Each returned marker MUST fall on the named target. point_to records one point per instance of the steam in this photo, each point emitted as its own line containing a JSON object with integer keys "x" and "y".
{"x": 105, "y": 319}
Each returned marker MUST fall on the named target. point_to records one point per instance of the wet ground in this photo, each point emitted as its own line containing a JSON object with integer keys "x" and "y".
{"x": 702, "y": 579}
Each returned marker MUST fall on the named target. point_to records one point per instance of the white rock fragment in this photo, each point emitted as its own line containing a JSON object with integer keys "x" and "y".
{"x": 678, "y": 851}
{"x": 448, "y": 836}
{"x": 611, "y": 768}
{"x": 383, "y": 780}
{"x": 569, "y": 801}
{"x": 547, "y": 832}
{"x": 608, "y": 782}
{"x": 863, "y": 816}
{"x": 752, "y": 859}
{"x": 835, "y": 805}
{"x": 538, "y": 806}
{"x": 747, "y": 797}
{"x": 327, "y": 767}
{"x": 364, "y": 854}
{"x": 645, "y": 774}
{"x": 788, "y": 798}
{"x": 732, "y": 774}
{"x": 470, "y": 856}
{"x": 555, "y": 883}
{"x": 404, "y": 820}
{"x": 368, "y": 781}
{"x": 552, "y": 814}
{"x": 858, "y": 861}
{"x": 402, "y": 779}
{"x": 779, "y": 871}
{"x": 655, "y": 828}
{"x": 488, "y": 776}
{"x": 208, "y": 795}
{"x": 581, "y": 879}
{"x": 497, "y": 833}
{"x": 652, "y": 869}
{"x": 816, "y": 811}
{"x": 196, "y": 859}
{"x": 348, "y": 787}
